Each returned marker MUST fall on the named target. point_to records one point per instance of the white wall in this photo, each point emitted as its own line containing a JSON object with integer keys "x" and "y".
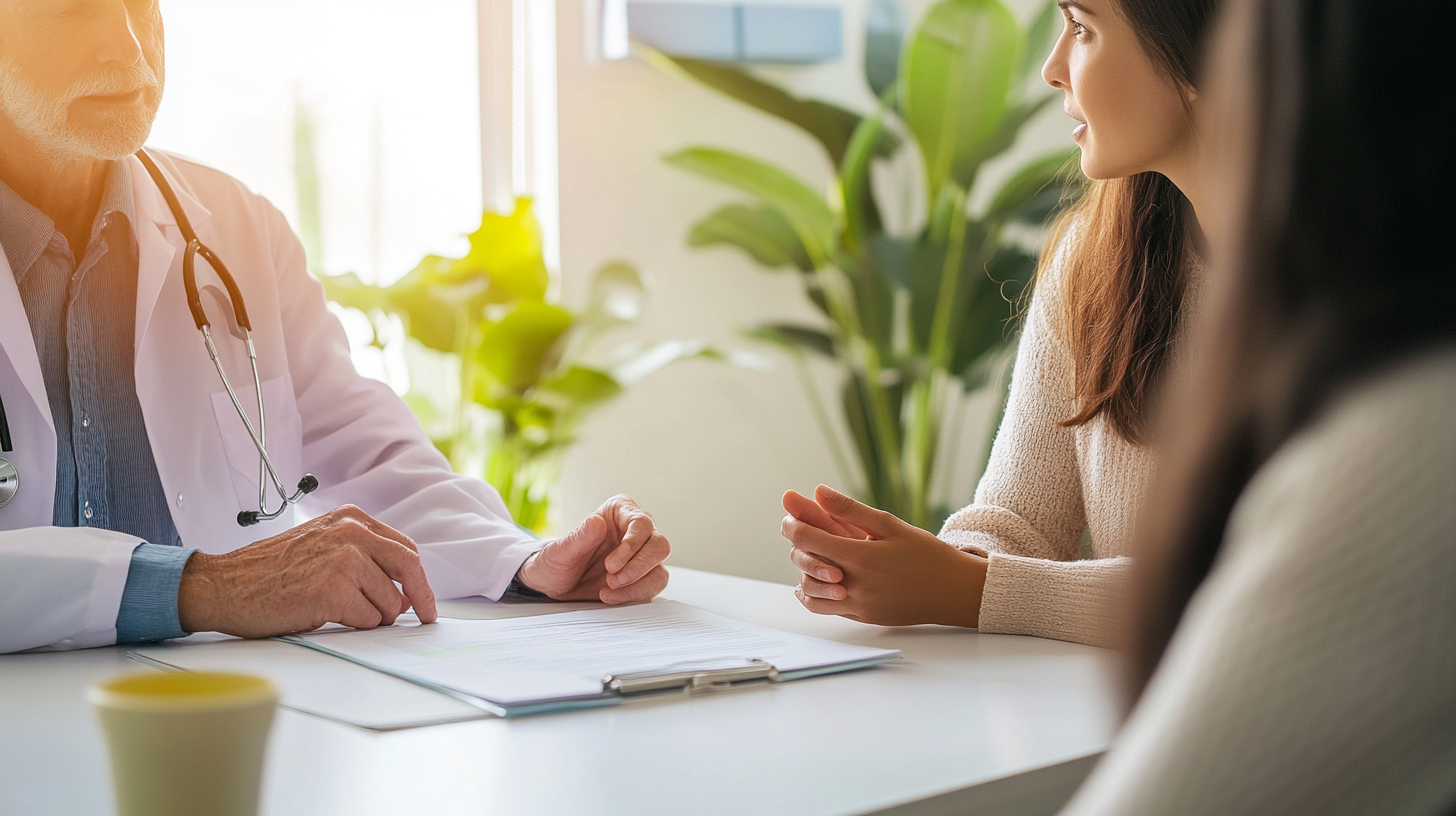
{"x": 708, "y": 449}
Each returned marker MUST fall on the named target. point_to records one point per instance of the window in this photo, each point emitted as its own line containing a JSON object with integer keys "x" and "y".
{"x": 379, "y": 99}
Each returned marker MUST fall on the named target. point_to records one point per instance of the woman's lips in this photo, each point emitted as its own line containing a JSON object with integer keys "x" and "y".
{"x": 1079, "y": 131}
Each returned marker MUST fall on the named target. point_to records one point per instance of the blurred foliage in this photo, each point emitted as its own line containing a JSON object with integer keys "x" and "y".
{"x": 906, "y": 313}
{"x": 497, "y": 367}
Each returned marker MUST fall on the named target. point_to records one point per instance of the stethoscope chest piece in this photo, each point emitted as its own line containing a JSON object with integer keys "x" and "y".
{"x": 9, "y": 482}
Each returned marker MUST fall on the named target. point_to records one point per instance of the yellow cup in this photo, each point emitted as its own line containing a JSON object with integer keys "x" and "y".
{"x": 186, "y": 744}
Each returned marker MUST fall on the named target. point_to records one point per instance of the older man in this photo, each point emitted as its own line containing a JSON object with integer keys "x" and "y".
{"x": 129, "y": 462}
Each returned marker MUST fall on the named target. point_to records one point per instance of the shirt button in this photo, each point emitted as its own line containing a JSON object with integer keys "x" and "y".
{"x": 87, "y": 512}
{"x": 85, "y": 422}
{"x": 179, "y": 499}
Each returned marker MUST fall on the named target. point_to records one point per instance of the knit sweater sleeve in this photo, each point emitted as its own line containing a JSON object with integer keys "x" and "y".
{"x": 1029, "y": 511}
{"x": 1313, "y": 671}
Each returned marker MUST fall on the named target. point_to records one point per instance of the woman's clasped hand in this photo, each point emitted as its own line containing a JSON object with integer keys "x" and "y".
{"x": 868, "y": 565}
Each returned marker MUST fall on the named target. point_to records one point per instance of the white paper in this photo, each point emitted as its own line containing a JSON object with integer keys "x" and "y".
{"x": 316, "y": 683}
{"x": 566, "y": 656}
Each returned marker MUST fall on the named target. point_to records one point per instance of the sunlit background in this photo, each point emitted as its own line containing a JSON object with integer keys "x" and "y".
{"x": 413, "y": 114}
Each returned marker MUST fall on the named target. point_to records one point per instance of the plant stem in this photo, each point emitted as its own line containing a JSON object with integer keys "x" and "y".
{"x": 859, "y": 354}
{"x": 927, "y": 408}
{"x": 464, "y": 332}
{"x": 821, "y": 417}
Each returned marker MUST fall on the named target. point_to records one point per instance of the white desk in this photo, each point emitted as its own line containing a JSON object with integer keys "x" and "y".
{"x": 967, "y": 722}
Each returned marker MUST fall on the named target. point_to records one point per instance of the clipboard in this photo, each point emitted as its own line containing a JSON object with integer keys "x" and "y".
{"x": 600, "y": 657}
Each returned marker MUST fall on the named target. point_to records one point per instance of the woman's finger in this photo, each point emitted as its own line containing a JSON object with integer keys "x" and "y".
{"x": 811, "y": 564}
{"x": 821, "y": 606}
{"x": 815, "y": 588}
{"x": 807, "y": 510}
{"x": 846, "y": 510}
{"x": 832, "y": 548}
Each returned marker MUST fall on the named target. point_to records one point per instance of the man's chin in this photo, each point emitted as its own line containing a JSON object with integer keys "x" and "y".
{"x": 108, "y": 142}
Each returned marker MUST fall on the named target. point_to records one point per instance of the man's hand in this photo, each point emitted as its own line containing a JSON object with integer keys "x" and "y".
{"x": 870, "y": 566}
{"x": 340, "y": 568}
{"x": 615, "y": 557}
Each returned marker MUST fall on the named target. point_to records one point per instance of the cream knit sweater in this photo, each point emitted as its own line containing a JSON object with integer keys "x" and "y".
{"x": 1315, "y": 669}
{"x": 1046, "y": 484}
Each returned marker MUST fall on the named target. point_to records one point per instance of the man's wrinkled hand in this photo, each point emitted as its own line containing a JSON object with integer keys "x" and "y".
{"x": 338, "y": 568}
{"x": 615, "y": 557}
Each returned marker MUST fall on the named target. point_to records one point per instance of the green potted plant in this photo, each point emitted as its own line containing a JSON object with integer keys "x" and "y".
{"x": 501, "y": 373}
{"x": 906, "y": 316}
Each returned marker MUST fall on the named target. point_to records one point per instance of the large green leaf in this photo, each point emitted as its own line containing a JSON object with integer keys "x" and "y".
{"x": 954, "y": 78}
{"x": 518, "y": 348}
{"x": 643, "y": 361}
{"x": 1009, "y": 129}
{"x": 831, "y": 125}
{"x": 1041, "y": 38}
{"x": 760, "y": 231}
{"x": 794, "y": 336}
{"x": 425, "y": 299}
{"x": 861, "y": 215}
{"x": 884, "y": 36}
{"x": 578, "y": 387}
{"x": 506, "y": 252}
{"x": 806, "y": 211}
{"x": 1034, "y": 191}
{"x": 616, "y": 297}
{"x": 988, "y": 323}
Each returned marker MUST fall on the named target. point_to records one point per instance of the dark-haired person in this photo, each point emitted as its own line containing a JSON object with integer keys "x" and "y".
{"x": 1104, "y": 327}
{"x": 1295, "y": 638}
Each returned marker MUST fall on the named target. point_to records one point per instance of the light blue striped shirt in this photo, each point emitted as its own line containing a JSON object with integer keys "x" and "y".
{"x": 83, "y": 319}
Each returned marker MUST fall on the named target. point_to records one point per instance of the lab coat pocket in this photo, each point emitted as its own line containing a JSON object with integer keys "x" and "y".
{"x": 284, "y": 439}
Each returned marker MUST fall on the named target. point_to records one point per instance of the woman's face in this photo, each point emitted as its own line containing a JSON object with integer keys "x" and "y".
{"x": 1133, "y": 117}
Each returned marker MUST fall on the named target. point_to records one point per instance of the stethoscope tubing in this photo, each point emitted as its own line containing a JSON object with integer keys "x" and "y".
{"x": 267, "y": 473}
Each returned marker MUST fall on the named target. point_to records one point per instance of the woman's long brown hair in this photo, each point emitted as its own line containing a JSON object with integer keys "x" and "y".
{"x": 1124, "y": 272}
{"x": 1340, "y": 263}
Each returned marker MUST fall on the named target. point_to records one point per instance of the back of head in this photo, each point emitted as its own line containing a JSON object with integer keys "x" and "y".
{"x": 1337, "y": 262}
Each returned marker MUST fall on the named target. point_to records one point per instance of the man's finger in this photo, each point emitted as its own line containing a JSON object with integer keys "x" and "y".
{"x": 806, "y": 509}
{"x": 832, "y": 548}
{"x": 652, "y": 554}
{"x": 356, "y": 612}
{"x": 377, "y": 527}
{"x": 877, "y": 523}
{"x": 577, "y": 545}
{"x": 815, "y": 588}
{"x": 403, "y": 565}
{"x": 643, "y": 590}
{"x": 380, "y": 591}
{"x": 634, "y": 526}
{"x": 811, "y": 564}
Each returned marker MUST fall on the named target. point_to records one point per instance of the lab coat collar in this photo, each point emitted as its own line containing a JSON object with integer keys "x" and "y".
{"x": 158, "y": 236}
{"x": 16, "y": 342}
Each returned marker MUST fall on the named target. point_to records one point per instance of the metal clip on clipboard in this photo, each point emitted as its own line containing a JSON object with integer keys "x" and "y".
{"x": 691, "y": 681}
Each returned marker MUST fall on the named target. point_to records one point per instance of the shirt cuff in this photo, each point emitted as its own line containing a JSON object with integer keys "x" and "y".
{"x": 149, "y": 601}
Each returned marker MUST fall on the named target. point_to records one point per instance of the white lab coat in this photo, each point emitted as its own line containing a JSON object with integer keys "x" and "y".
{"x": 61, "y": 587}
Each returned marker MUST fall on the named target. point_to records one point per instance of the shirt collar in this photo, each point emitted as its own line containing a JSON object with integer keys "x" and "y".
{"x": 25, "y": 231}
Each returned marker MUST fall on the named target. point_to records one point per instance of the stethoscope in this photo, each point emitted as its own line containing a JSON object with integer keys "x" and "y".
{"x": 267, "y": 474}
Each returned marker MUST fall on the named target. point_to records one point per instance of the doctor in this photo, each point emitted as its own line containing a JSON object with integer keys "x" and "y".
{"x": 133, "y": 463}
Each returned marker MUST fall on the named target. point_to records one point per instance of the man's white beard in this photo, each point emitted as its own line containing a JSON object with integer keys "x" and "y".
{"x": 43, "y": 117}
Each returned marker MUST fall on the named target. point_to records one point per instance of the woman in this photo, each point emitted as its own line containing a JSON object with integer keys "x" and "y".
{"x": 1311, "y": 456}
{"x": 1102, "y": 331}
